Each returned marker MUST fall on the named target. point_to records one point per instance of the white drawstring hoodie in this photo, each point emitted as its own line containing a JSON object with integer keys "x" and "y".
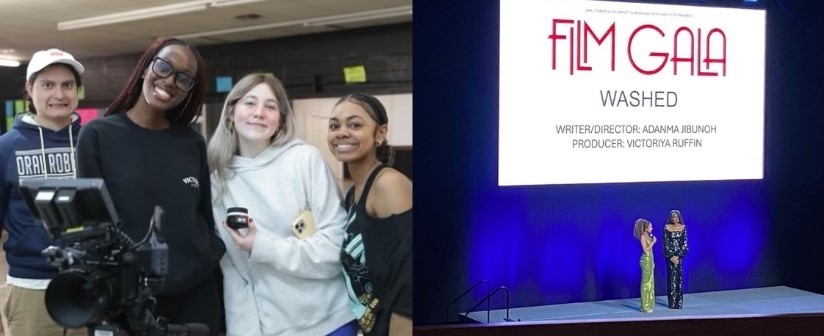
{"x": 30, "y": 119}
{"x": 286, "y": 285}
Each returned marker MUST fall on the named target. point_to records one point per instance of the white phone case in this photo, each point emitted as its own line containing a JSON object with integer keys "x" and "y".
{"x": 304, "y": 226}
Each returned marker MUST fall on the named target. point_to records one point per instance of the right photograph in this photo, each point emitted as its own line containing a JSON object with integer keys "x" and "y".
{"x": 609, "y": 167}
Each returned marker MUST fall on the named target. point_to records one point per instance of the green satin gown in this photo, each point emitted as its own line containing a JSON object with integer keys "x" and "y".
{"x": 647, "y": 280}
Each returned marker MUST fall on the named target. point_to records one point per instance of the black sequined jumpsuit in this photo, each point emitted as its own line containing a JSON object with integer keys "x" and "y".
{"x": 675, "y": 244}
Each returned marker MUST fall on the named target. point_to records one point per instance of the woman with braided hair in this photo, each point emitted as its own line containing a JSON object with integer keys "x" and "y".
{"x": 675, "y": 248}
{"x": 377, "y": 248}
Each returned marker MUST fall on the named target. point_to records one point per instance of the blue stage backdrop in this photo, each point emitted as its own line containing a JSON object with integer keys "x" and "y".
{"x": 570, "y": 243}
{"x": 563, "y": 244}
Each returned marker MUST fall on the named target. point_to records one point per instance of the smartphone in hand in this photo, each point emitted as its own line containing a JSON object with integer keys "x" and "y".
{"x": 304, "y": 226}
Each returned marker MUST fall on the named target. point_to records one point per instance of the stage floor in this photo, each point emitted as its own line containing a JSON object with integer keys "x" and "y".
{"x": 753, "y": 302}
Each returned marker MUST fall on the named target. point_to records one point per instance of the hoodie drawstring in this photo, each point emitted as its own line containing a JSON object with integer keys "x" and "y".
{"x": 71, "y": 145}
{"x": 43, "y": 151}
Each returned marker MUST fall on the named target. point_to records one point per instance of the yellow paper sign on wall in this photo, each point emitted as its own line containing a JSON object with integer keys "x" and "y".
{"x": 355, "y": 74}
{"x": 81, "y": 93}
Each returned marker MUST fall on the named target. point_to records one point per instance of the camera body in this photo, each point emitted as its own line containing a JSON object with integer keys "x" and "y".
{"x": 102, "y": 276}
{"x": 106, "y": 279}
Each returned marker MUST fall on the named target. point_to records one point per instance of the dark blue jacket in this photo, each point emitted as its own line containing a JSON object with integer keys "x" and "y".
{"x": 28, "y": 151}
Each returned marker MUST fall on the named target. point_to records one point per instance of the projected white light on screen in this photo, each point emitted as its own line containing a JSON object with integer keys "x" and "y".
{"x": 604, "y": 92}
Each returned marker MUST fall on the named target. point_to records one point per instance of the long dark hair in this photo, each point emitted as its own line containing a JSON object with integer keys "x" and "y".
{"x": 678, "y": 214}
{"x": 385, "y": 153}
{"x": 184, "y": 113}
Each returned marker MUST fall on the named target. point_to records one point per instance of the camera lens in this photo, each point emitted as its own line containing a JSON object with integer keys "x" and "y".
{"x": 79, "y": 296}
{"x": 236, "y": 218}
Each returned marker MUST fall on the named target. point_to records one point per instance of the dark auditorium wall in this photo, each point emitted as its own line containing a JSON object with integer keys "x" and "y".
{"x": 11, "y": 82}
{"x": 309, "y": 65}
{"x": 455, "y": 132}
{"x": 795, "y": 141}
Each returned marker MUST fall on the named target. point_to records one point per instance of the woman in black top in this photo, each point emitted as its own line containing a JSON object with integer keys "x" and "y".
{"x": 377, "y": 248}
{"x": 148, "y": 155}
{"x": 675, "y": 248}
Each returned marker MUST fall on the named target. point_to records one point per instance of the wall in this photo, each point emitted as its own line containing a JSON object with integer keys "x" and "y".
{"x": 310, "y": 66}
{"x": 312, "y": 122}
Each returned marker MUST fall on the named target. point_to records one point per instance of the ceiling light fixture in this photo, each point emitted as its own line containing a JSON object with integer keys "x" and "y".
{"x": 9, "y": 63}
{"x": 148, "y": 13}
{"x": 319, "y": 21}
{"x": 239, "y": 30}
{"x": 359, "y": 17}
{"x": 225, "y": 3}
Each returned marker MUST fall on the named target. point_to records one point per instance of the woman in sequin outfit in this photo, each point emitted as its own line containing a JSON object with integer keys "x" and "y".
{"x": 643, "y": 232}
{"x": 675, "y": 248}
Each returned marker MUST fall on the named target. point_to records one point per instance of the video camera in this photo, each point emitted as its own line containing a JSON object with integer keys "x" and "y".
{"x": 106, "y": 279}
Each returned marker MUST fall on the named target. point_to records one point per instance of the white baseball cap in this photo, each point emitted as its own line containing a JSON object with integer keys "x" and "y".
{"x": 44, "y": 58}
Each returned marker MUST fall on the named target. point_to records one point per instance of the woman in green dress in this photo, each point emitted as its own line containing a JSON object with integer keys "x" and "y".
{"x": 643, "y": 232}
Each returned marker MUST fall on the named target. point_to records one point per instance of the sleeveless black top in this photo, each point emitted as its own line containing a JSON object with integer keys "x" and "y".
{"x": 377, "y": 263}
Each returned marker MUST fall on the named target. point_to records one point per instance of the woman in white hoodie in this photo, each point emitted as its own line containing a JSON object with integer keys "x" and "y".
{"x": 278, "y": 280}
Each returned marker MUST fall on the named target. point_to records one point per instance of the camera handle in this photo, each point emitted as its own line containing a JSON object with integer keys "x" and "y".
{"x": 188, "y": 329}
{"x": 62, "y": 257}
{"x": 143, "y": 323}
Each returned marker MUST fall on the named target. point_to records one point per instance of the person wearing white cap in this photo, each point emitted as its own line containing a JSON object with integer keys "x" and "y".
{"x": 41, "y": 144}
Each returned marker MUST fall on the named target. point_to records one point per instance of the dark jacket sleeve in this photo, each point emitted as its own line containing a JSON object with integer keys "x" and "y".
{"x": 684, "y": 249}
{"x": 88, "y": 153}
{"x": 206, "y": 195}
{"x": 669, "y": 249}
{"x": 5, "y": 189}
{"x": 209, "y": 217}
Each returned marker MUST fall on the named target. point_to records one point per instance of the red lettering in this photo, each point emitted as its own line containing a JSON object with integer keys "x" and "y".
{"x": 707, "y": 59}
{"x": 554, "y": 37}
{"x": 663, "y": 55}
{"x": 689, "y": 60}
{"x": 701, "y": 62}
{"x": 589, "y": 32}
{"x": 579, "y": 37}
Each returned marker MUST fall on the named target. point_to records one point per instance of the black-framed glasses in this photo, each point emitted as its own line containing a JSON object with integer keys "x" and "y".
{"x": 163, "y": 69}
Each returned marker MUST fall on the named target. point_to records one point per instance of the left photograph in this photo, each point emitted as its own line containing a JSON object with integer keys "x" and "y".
{"x": 206, "y": 167}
